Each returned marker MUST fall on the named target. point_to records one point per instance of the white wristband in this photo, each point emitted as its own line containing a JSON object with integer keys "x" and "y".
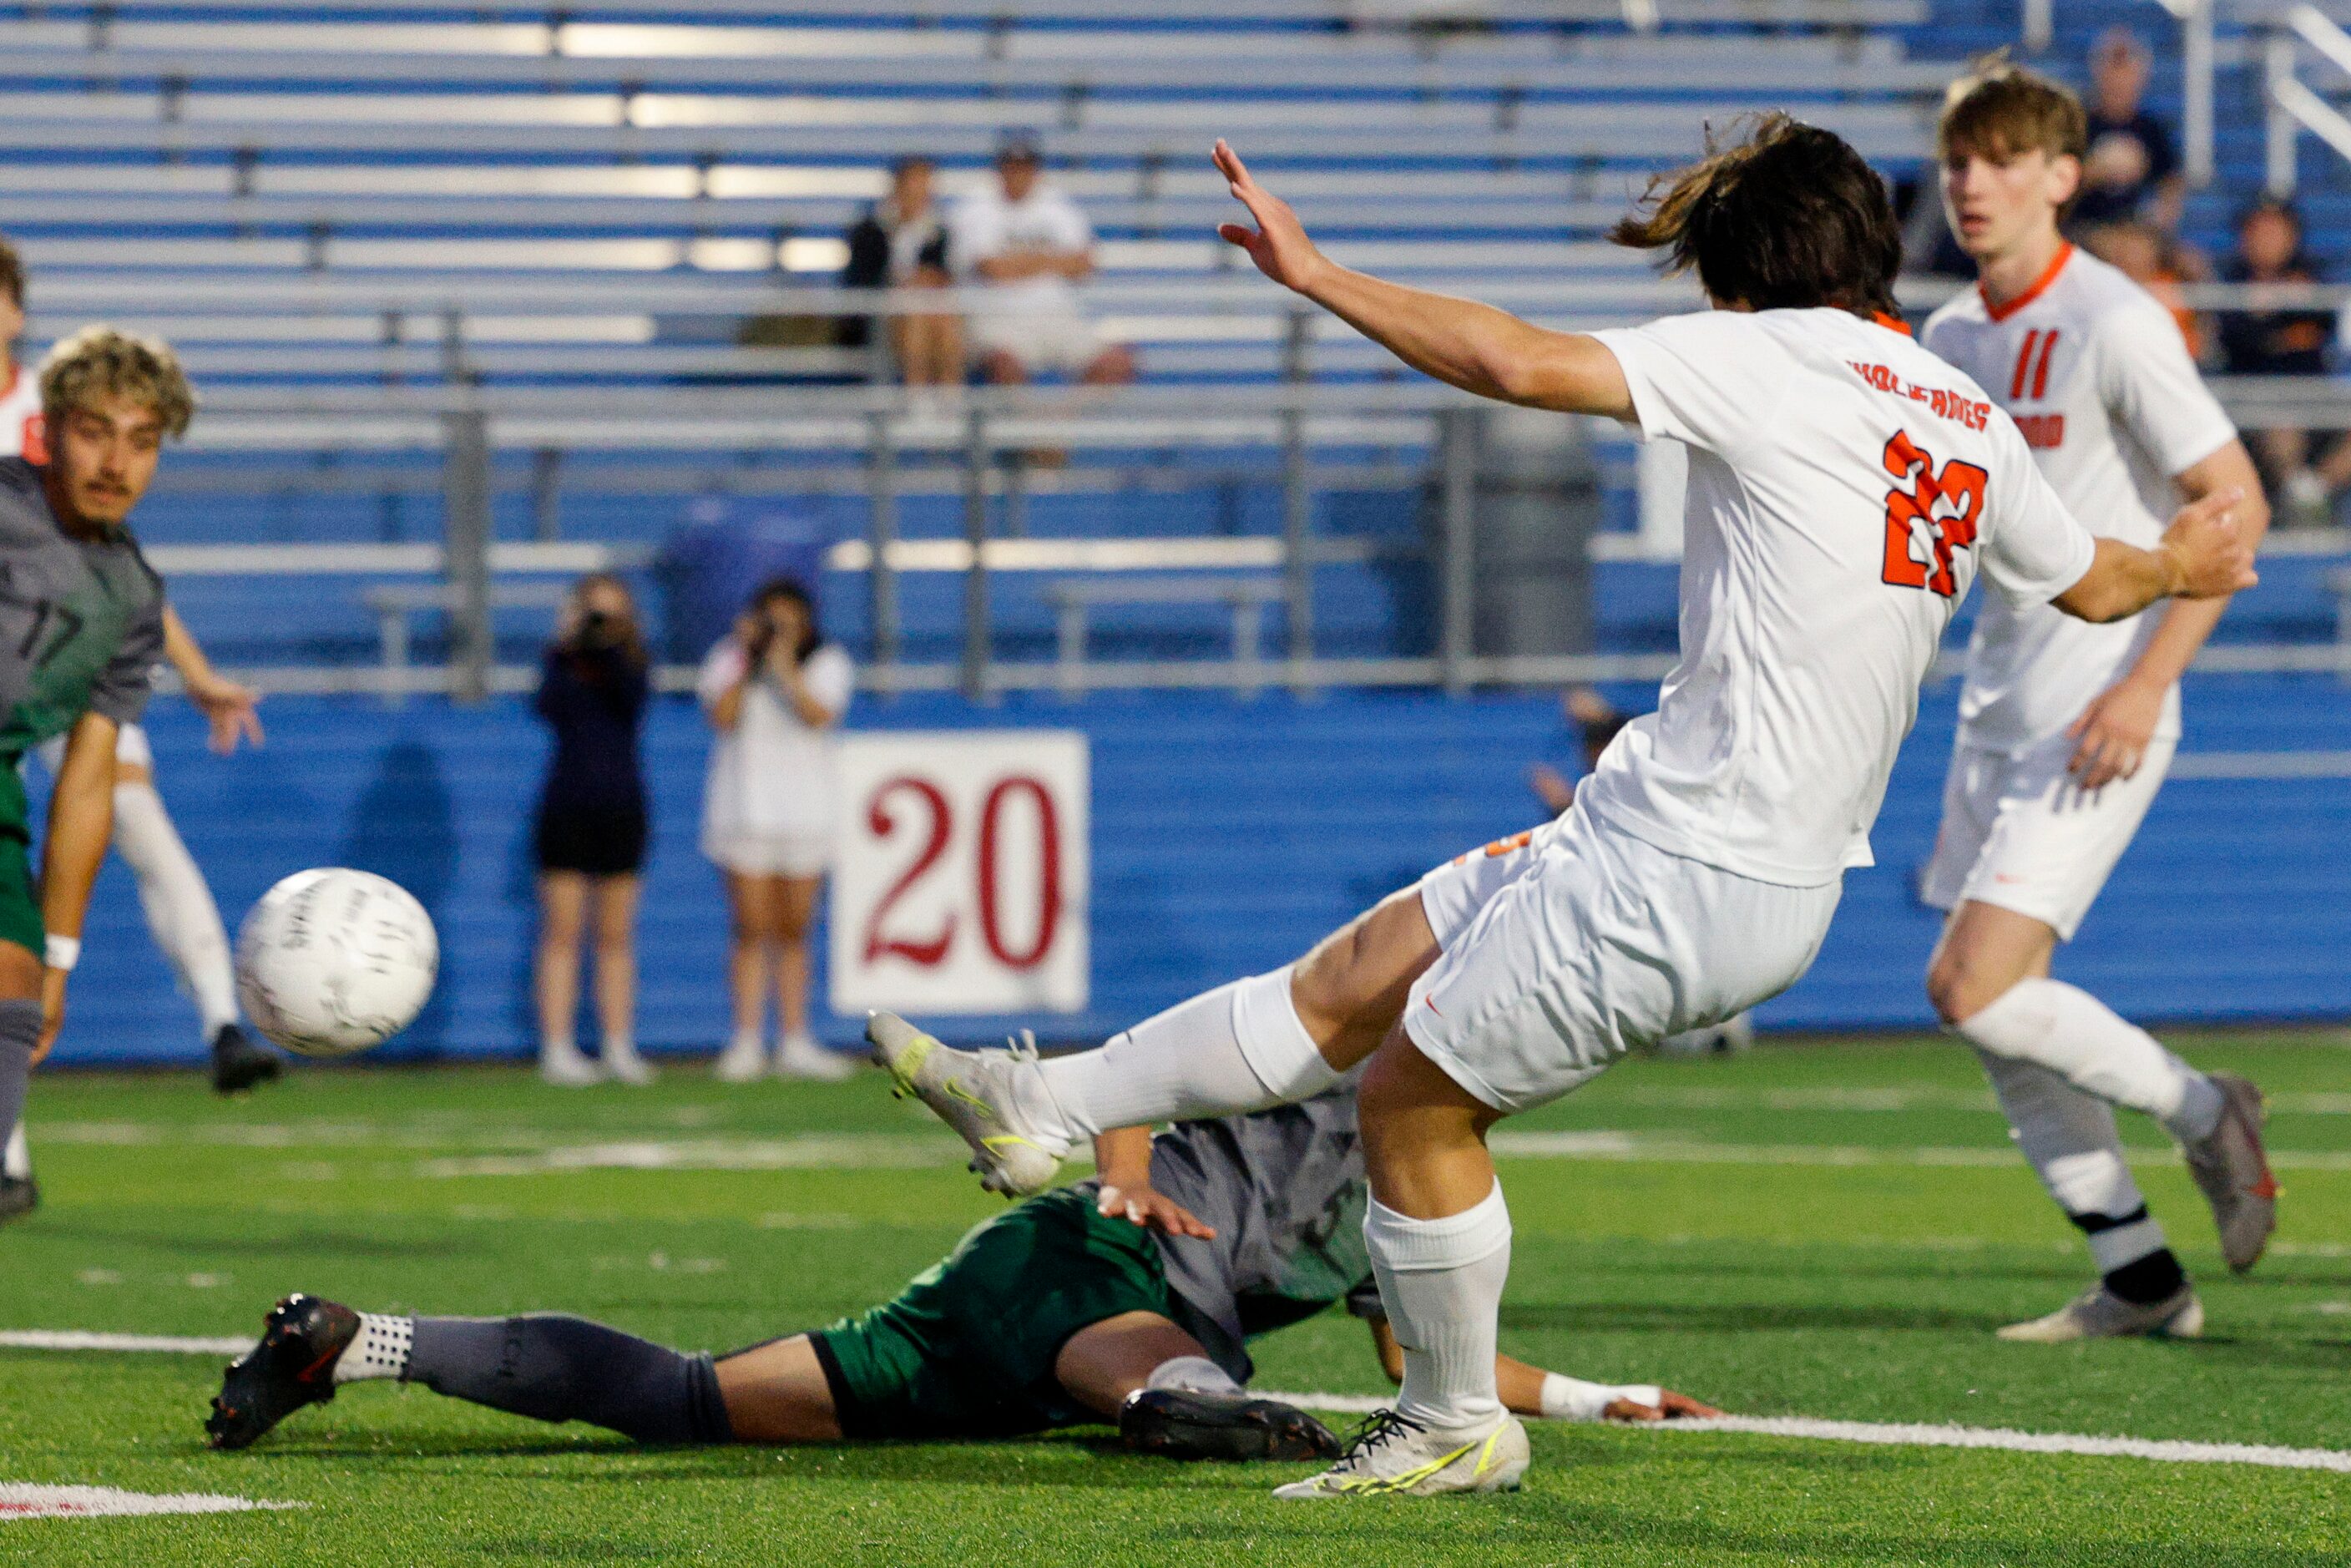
{"x": 61, "y": 953}
{"x": 1572, "y": 1399}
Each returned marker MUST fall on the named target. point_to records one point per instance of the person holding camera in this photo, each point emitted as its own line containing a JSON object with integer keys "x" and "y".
{"x": 773, "y": 689}
{"x": 592, "y": 832}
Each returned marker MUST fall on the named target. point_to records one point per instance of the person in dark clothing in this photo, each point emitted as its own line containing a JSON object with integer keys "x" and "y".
{"x": 2132, "y": 170}
{"x": 902, "y": 243}
{"x": 2286, "y": 340}
{"x": 591, "y": 830}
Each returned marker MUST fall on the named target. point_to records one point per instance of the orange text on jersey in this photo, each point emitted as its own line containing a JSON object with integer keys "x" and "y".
{"x": 2041, "y": 431}
{"x": 1971, "y": 412}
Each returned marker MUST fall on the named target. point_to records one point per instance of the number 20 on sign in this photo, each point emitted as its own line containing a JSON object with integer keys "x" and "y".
{"x": 963, "y": 879}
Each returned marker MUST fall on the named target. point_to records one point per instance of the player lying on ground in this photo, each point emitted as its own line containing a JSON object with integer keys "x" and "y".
{"x": 1845, "y": 489}
{"x": 82, "y": 624}
{"x": 2066, "y": 730}
{"x": 1129, "y": 1298}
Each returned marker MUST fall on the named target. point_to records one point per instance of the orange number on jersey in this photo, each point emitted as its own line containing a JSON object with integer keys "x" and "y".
{"x": 1937, "y": 515}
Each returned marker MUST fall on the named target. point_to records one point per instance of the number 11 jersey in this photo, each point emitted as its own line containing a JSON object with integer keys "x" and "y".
{"x": 1845, "y": 487}
{"x": 2099, "y": 381}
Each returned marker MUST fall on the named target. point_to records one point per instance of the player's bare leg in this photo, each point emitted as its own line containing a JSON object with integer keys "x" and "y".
{"x": 777, "y": 1393}
{"x": 2059, "y": 1060}
{"x": 1266, "y": 1040}
{"x": 1440, "y": 1243}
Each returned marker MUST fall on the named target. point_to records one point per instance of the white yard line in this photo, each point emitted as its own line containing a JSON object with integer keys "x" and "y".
{"x": 22, "y": 1499}
{"x": 1919, "y": 1435}
{"x": 80, "y": 1339}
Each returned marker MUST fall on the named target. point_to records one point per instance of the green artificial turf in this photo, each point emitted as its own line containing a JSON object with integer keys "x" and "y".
{"x": 1827, "y": 1230}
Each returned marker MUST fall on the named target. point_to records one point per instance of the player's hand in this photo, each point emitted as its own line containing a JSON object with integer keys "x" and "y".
{"x": 1552, "y": 787}
{"x": 1137, "y": 1204}
{"x": 1670, "y": 1406}
{"x": 2114, "y": 732}
{"x": 1279, "y": 243}
{"x": 2209, "y": 555}
{"x": 231, "y": 709}
{"x": 53, "y": 1011}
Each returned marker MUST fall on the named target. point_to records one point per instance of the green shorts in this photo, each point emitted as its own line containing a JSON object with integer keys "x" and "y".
{"x": 20, "y": 903}
{"x": 967, "y": 1350}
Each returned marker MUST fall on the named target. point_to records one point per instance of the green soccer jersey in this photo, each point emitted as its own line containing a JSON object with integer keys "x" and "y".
{"x": 81, "y": 620}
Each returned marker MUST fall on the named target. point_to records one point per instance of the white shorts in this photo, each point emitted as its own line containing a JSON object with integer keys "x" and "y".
{"x": 1058, "y": 341}
{"x": 131, "y": 750}
{"x": 770, "y": 854}
{"x": 2019, "y": 834}
{"x": 1453, "y": 894}
{"x": 1600, "y": 944}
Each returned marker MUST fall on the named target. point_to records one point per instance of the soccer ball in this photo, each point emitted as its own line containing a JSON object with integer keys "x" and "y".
{"x": 333, "y": 961}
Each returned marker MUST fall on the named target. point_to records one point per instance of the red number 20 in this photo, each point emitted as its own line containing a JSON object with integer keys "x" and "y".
{"x": 929, "y": 952}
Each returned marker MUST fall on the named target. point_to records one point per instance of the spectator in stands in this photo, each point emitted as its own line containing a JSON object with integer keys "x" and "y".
{"x": 2284, "y": 340}
{"x": 902, "y": 243}
{"x": 773, "y": 688}
{"x": 2132, "y": 166}
{"x": 591, "y": 830}
{"x": 1029, "y": 247}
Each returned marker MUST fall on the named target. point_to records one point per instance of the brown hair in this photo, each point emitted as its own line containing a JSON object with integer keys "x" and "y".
{"x": 12, "y": 274}
{"x": 1789, "y": 216}
{"x": 99, "y": 362}
{"x": 2000, "y": 109}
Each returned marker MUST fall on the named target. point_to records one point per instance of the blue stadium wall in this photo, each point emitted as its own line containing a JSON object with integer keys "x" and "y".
{"x": 1227, "y": 836}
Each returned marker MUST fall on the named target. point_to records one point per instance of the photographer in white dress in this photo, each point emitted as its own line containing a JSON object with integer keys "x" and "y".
{"x": 773, "y": 689}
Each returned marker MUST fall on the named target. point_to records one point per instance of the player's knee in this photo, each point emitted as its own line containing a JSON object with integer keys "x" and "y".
{"x": 1958, "y": 988}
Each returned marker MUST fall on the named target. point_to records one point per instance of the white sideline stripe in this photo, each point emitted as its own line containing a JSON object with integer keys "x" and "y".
{"x": 80, "y": 1339}
{"x": 2173, "y": 1451}
{"x": 22, "y": 1499}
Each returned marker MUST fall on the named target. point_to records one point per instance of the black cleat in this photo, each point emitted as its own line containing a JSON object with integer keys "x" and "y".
{"x": 292, "y": 1367}
{"x": 1177, "y": 1423}
{"x": 238, "y": 1064}
{"x": 19, "y": 1196}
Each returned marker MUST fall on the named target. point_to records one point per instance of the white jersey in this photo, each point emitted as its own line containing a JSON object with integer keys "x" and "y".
{"x": 2098, "y": 379}
{"x": 20, "y": 417}
{"x": 1845, "y": 487}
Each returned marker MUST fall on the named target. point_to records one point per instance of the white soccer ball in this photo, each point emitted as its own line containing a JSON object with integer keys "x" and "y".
{"x": 333, "y": 961}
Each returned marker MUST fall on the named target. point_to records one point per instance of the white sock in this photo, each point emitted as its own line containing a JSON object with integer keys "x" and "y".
{"x": 1239, "y": 1048}
{"x": 1441, "y": 1282}
{"x": 1193, "y": 1374}
{"x": 2069, "y": 1137}
{"x": 181, "y": 913}
{"x": 2069, "y": 1032}
{"x": 618, "y": 1047}
{"x": 17, "y": 1159}
{"x": 746, "y": 1042}
{"x": 553, "y": 1044}
{"x": 379, "y": 1350}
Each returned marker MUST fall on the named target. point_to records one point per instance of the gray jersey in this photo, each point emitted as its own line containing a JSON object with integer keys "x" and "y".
{"x": 1286, "y": 1190}
{"x": 81, "y": 622}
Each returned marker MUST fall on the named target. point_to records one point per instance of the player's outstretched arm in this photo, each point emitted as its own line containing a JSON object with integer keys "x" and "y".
{"x": 1122, "y": 1161}
{"x": 1474, "y": 347}
{"x": 1531, "y": 1391}
{"x": 2204, "y": 555}
{"x": 227, "y": 706}
{"x": 81, "y": 819}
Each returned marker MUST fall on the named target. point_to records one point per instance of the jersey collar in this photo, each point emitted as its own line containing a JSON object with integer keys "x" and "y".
{"x": 2040, "y": 285}
{"x": 1891, "y": 323}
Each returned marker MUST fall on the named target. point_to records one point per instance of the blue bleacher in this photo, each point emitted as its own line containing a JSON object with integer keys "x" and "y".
{"x": 1204, "y": 872}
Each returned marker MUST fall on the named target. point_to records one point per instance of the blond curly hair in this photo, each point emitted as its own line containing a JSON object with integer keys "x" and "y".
{"x": 99, "y": 362}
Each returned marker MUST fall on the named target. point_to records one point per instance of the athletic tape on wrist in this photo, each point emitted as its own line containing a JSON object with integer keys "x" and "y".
{"x": 61, "y": 953}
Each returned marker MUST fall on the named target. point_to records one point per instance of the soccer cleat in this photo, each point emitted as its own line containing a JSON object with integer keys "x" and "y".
{"x": 19, "y": 1196}
{"x": 800, "y": 1056}
{"x": 971, "y": 1091}
{"x": 2099, "y": 1313}
{"x": 1178, "y": 1424}
{"x": 2234, "y": 1171}
{"x": 237, "y": 1063}
{"x": 292, "y": 1367}
{"x": 1392, "y": 1457}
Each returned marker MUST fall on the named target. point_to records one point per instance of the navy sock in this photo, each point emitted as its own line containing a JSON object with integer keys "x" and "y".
{"x": 559, "y": 1368}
